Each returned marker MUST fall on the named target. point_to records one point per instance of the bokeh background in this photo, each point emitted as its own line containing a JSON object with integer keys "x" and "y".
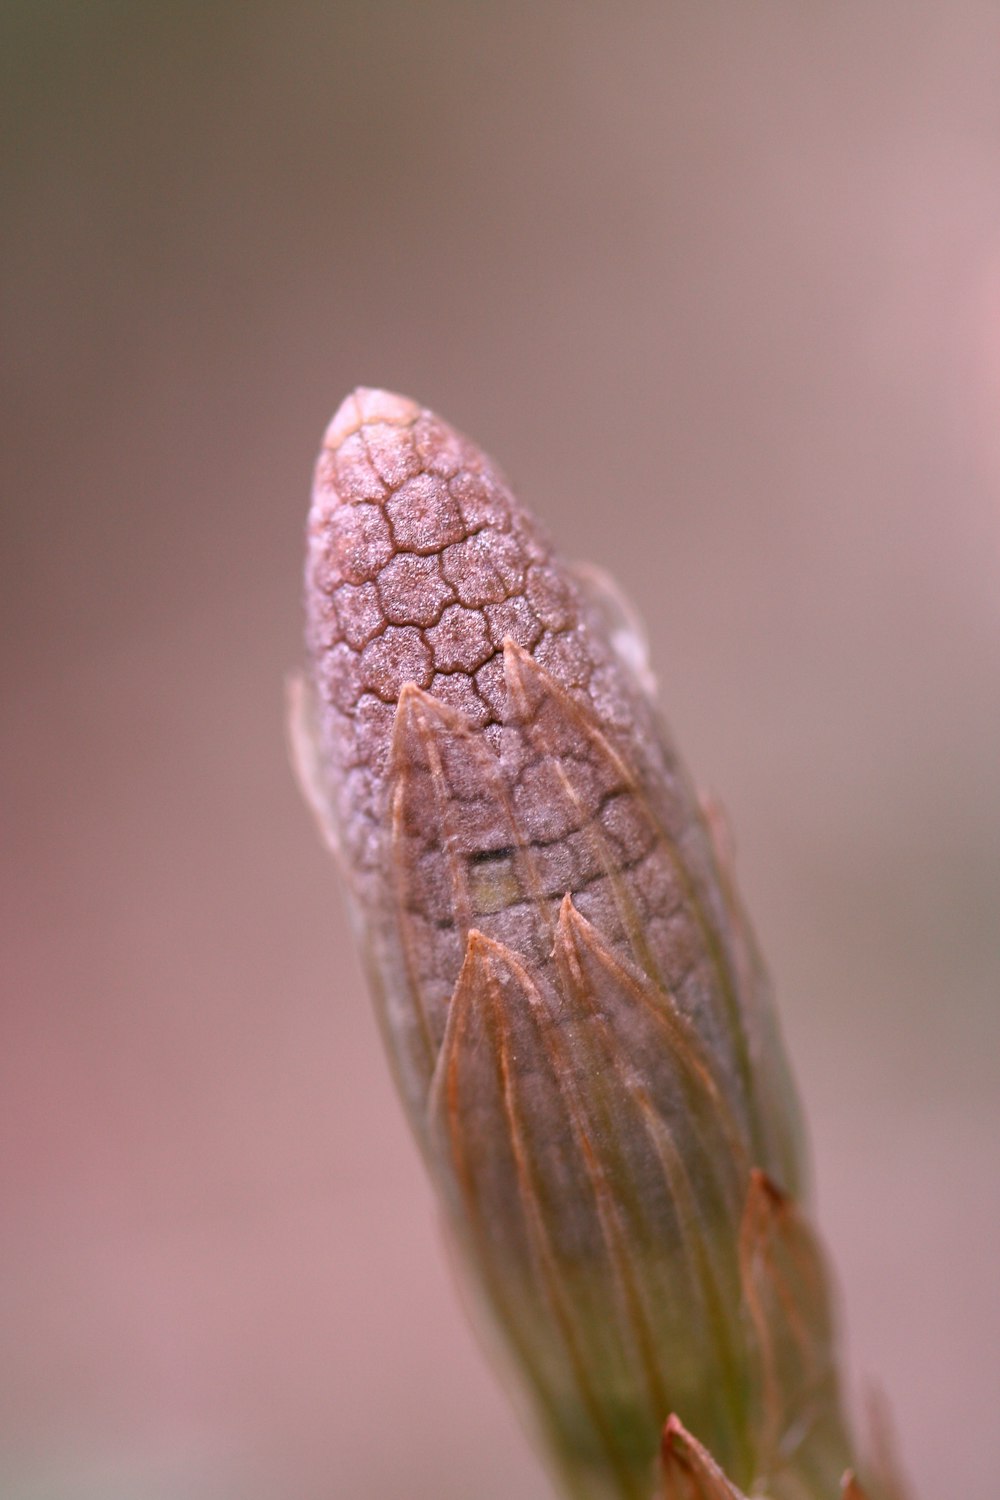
{"x": 719, "y": 283}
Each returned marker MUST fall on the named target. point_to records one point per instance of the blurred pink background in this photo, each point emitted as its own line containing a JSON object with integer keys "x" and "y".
{"x": 719, "y": 284}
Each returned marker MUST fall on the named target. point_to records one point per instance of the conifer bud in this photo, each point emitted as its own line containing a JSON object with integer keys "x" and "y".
{"x": 571, "y": 999}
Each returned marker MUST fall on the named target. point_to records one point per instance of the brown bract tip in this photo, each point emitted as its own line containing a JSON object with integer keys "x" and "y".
{"x": 689, "y": 1471}
{"x": 767, "y": 1193}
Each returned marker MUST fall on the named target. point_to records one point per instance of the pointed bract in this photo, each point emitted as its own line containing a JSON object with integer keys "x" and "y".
{"x": 785, "y": 1291}
{"x": 689, "y": 1471}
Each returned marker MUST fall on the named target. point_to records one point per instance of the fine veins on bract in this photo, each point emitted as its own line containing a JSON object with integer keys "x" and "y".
{"x": 571, "y": 998}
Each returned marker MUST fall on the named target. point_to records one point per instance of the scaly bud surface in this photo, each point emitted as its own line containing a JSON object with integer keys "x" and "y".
{"x": 576, "y": 1014}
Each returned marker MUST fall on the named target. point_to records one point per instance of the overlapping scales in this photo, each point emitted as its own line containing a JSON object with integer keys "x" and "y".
{"x": 575, "y": 785}
{"x": 597, "y": 1177}
{"x": 494, "y": 835}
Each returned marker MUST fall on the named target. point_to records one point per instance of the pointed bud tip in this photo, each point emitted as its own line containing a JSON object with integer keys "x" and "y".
{"x": 364, "y": 405}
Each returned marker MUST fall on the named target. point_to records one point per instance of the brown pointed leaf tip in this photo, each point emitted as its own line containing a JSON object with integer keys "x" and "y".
{"x": 786, "y": 1296}
{"x": 575, "y": 1011}
{"x": 689, "y": 1471}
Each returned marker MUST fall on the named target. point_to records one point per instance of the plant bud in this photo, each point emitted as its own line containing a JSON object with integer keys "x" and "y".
{"x": 574, "y": 1007}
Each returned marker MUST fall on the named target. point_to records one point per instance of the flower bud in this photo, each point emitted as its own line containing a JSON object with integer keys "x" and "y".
{"x": 573, "y": 1005}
